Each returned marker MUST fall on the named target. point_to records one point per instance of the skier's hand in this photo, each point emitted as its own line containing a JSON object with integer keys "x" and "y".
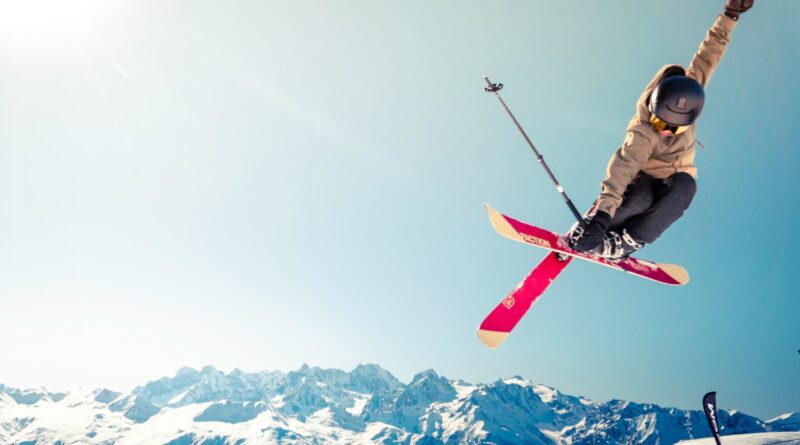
{"x": 735, "y": 7}
{"x": 593, "y": 232}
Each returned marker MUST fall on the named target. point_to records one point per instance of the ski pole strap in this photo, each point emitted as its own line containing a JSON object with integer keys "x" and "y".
{"x": 495, "y": 88}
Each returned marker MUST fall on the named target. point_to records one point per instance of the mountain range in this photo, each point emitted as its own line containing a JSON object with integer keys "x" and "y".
{"x": 330, "y": 406}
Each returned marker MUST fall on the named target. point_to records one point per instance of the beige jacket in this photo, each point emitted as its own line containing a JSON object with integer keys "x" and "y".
{"x": 644, "y": 149}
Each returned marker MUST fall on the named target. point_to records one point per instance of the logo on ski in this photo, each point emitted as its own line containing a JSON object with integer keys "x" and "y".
{"x": 509, "y": 302}
{"x": 530, "y": 239}
{"x": 635, "y": 265}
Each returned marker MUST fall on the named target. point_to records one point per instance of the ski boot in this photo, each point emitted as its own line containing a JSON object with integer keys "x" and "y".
{"x": 617, "y": 247}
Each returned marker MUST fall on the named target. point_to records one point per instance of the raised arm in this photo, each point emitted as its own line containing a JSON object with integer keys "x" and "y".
{"x": 712, "y": 48}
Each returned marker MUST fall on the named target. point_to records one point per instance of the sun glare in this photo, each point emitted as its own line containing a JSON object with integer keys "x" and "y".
{"x": 47, "y": 19}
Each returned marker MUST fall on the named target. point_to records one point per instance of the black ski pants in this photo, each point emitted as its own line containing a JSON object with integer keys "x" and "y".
{"x": 650, "y": 205}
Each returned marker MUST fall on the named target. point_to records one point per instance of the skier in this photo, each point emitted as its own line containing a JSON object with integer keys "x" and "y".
{"x": 650, "y": 180}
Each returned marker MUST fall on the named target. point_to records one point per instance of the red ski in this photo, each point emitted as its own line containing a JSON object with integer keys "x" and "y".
{"x": 517, "y": 230}
{"x": 496, "y": 327}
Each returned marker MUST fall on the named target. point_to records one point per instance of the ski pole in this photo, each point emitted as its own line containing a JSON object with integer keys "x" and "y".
{"x": 495, "y": 88}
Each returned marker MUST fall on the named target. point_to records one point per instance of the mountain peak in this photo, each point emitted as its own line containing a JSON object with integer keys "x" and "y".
{"x": 208, "y": 369}
{"x": 368, "y": 367}
{"x": 428, "y": 373}
{"x": 186, "y": 371}
{"x": 106, "y": 396}
{"x": 519, "y": 381}
{"x": 372, "y": 378}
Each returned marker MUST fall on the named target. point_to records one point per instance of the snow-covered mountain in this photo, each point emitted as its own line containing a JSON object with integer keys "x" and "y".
{"x": 330, "y": 406}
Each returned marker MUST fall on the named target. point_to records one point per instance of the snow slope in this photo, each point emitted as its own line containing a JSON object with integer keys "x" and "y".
{"x": 751, "y": 439}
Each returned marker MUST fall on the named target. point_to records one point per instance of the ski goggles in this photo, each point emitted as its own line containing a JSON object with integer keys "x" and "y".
{"x": 664, "y": 128}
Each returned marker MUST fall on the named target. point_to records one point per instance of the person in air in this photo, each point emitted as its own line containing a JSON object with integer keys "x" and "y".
{"x": 650, "y": 180}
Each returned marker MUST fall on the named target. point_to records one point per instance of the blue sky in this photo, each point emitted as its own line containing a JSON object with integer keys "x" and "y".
{"x": 266, "y": 184}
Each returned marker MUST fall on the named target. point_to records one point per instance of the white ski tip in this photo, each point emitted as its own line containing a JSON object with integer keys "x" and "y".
{"x": 501, "y": 225}
{"x": 678, "y": 273}
{"x": 492, "y": 339}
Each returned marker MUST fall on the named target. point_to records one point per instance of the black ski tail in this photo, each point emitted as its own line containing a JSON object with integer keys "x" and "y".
{"x": 710, "y": 408}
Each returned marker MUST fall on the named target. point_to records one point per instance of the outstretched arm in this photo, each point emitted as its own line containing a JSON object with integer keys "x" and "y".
{"x": 712, "y": 48}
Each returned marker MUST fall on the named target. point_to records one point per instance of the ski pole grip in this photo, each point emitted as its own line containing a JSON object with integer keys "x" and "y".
{"x": 492, "y": 87}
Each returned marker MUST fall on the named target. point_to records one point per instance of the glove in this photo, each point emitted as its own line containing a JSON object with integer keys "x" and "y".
{"x": 735, "y": 7}
{"x": 593, "y": 232}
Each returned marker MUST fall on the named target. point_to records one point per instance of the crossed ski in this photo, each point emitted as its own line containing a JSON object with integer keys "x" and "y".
{"x": 501, "y": 321}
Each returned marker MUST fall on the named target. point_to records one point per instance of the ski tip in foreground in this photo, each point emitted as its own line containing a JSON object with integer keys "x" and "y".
{"x": 501, "y": 224}
{"x": 492, "y": 339}
{"x": 677, "y": 273}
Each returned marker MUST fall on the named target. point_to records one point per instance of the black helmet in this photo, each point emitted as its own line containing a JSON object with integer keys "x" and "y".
{"x": 677, "y": 100}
